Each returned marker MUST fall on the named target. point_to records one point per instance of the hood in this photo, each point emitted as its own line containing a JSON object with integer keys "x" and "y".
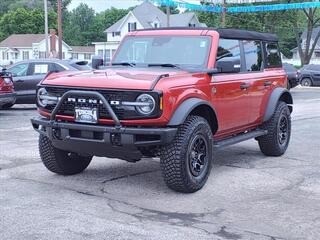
{"x": 138, "y": 79}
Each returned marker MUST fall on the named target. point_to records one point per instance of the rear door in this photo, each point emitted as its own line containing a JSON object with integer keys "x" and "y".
{"x": 264, "y": 71}
{"x": 230, "y": 92}
{"x": 37, "y": 71}
{"x": 19, "y": 73}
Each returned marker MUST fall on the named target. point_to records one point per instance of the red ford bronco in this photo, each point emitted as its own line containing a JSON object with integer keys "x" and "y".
{"x": 174, "y": 93}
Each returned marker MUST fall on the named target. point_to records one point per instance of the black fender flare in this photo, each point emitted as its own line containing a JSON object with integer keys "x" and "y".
{"x": 277, "y": 94}
{"x": 186, "y": 107}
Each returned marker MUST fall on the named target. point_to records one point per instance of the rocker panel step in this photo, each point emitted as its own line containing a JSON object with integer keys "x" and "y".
{"x": 239, "y": 138}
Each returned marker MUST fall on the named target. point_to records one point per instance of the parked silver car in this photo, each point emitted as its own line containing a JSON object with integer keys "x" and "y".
{"x": 27, "y": 74}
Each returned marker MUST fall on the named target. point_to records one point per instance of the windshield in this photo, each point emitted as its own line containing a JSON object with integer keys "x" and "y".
{"x": 183, "y": 51}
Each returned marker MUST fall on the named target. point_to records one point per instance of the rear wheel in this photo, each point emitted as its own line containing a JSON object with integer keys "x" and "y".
{"x": 59, "y": 161}
{"x": 306, "y": 82}
{"x": 276, "y": 142}
{"x": 187, "y": 161}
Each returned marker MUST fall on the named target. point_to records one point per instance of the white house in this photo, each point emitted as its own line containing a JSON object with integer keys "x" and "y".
{"x": 81, "y": 53}
{"x": 143, "y": 16}
{"x": 19, "y": 47}
{"x": 315, "y": 58}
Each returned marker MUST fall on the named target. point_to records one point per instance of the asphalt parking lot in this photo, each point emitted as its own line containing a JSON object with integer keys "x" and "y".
{"x": 247, "y": 196}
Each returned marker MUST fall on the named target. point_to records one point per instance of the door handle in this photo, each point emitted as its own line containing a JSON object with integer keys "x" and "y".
{"x": 267, "y": 83}
{"x": 19, "y": 81}
{"x": 244, "y": 86}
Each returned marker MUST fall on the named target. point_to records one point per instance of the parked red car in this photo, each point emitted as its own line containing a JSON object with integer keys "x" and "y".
{"x": 175, "y": 93}
{"x": 7, "y": 94}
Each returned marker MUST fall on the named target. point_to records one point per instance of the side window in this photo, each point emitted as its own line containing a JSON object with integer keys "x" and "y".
{"x": 57, "y": 68}
{"x": 39, "y": 69}
{"x": 19, "y": 70}
{"x": 228, "y": 48}
{"x": 273, "y": 57}
{"x": 253, "y": 55}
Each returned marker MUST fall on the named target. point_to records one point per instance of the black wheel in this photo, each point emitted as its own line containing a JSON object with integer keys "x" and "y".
{"x": 187, "y": 161}
{"x": 276, "y": 142}
{"x": 306, "y": 82}
{"x": 61, "y": 162}
{"x": 7, "y": 106}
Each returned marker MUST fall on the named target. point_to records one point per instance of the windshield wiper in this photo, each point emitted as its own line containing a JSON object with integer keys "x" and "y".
{"x": 124, "y": 64}
{"x": 170, "y": 65}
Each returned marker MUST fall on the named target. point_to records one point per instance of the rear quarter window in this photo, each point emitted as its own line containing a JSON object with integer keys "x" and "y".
{"x": 273, "y": 57}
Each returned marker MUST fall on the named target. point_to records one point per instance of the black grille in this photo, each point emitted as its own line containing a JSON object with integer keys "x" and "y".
{"x": 67, "y": 108}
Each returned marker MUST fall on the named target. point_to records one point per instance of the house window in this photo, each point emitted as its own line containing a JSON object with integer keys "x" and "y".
{"x": 25, "y": 55}
{"x": 87, "y": 56}
{"x": 114, "y": 34}
{"x": 74, "y": 55}
{"x": 317, "y": 54}
{"x": 156, "y": 25}
{"x": 100, "y": 53}
{"x": 108, "y": 55}
{"x": 63, "y": 55}
{"x": 192, "y": 25}
{"x": 132, "y": 27}
{"x": 4, "y": 55}
{"x": 42, "y": 54}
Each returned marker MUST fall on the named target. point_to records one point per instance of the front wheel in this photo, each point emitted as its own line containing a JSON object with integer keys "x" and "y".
{"x": 276, "y": 142}
{"x": 187, "y": 161}
{"x": 306, "y": 82}
{"x": 59, "y": 161}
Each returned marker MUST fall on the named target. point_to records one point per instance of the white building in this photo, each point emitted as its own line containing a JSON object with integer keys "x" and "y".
{"x": 315, "y": 58}
{"x": 143, "y": 16}
{"x": 18, "y": 47}
{"x": 81, "y": 53}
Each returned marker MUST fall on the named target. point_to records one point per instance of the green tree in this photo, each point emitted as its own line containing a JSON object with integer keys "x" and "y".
{"x": 24, "y": 21}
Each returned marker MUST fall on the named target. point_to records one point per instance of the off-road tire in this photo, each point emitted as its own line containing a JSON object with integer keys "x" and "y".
{"x": 175, "y": 161}
{"x": 307, "y": 82}
{"x": 59, "y": 161}
{"x": 270, "y": 144}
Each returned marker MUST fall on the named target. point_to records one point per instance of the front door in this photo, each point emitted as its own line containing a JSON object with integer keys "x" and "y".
{"x": 230, "y": 92}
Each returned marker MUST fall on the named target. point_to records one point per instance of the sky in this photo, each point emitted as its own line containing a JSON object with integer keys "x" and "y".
{"x": 101, "y": 5}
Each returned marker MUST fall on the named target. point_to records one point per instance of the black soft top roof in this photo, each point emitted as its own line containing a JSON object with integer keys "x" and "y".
{"x": 246, "y": 35}
{"x": 228, "y": 33}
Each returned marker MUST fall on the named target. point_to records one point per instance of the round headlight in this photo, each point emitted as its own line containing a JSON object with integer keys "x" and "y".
{"x": 145, "y": 104}
{"x": 42, "y": 92}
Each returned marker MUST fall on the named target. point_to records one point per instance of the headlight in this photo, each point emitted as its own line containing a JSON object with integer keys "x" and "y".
{"x": 45, "y": 99}
{"x": 7, "y": 80}
{"x": 145, "y": 104}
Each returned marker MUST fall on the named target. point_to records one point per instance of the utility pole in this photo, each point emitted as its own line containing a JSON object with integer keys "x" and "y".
{"x": 223, "y": 15}
{"x": 168, "y": 15}
{"x": 60, "y": 27}
{"x": 46, "y": 26}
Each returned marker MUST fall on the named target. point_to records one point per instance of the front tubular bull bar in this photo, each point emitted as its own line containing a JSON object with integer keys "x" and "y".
{"x": 87, "y": 94}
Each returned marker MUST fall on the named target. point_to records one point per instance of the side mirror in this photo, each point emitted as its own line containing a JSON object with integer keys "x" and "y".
{"x": 212, "y": 71}
{"x": 97, "y": 62}
{"x": 228, "y": 65}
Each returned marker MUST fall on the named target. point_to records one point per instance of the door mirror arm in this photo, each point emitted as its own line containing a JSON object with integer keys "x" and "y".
{"x": 212, "y": 71}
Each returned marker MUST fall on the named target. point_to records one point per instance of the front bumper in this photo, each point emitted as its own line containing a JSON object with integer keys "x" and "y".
{"x": 7, "y": 98}
{"x": 99, "y": 140}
